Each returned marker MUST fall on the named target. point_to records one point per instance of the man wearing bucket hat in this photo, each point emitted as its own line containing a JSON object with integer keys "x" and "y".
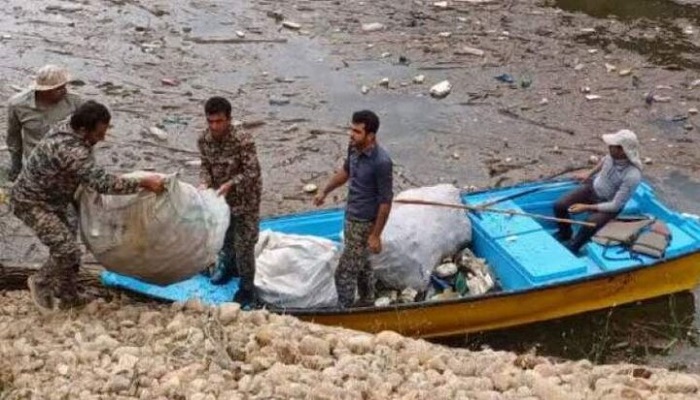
{"x": 32, "y": 112}
{"x": 605, "y": 189}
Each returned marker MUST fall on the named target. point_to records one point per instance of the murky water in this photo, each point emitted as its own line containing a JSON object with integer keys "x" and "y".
{"x": 671, "y": 36}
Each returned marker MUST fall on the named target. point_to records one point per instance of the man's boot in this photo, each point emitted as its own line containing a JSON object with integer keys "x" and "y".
{"x": 246, "y": 295}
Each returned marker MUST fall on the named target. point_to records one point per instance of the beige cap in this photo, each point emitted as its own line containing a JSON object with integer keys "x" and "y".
{"x": 629, "y": 143}
{"x": 50, "y": 77}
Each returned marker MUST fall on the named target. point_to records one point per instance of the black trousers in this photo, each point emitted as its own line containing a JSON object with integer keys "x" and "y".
{"x": 583, "y": 194}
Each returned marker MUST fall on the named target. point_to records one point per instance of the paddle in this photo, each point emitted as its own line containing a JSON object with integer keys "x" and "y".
{"x": 493, "y": 210}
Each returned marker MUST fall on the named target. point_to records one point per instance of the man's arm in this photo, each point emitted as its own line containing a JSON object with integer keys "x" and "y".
{"x": 14, "y": 143}
{"x": 336, "y": 181}
{"x": 205, "y": 178}
{"x": 385, "y": 184}
{"x": 250, "y": 165}
{"x": 96, "y": 178}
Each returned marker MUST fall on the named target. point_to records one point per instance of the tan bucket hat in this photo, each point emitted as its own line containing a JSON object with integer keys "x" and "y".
{"x": 50, "y": 77}
{"x": 629, "y": 143}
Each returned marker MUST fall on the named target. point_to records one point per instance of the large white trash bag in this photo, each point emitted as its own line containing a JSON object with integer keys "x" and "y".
{"x": 417, "y": 237}
{"x": 159, "y": 239}
{"x": 296, "y": 270}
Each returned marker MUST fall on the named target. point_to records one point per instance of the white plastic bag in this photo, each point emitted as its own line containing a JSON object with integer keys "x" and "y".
{"x": 159, "y": 239}
{"x": 296, "y": 270}
{"x": 417, "y": 237}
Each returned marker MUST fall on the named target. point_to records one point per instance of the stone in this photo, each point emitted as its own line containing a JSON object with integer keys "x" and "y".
{"x": 312, "y": 346}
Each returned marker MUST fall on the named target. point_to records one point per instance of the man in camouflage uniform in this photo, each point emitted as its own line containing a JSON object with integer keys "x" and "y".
{"x": 61, "y": 162}
{"x": 368, "y": 167}
{"x": 230, "y": 165}
{"x": 32, "y": 112}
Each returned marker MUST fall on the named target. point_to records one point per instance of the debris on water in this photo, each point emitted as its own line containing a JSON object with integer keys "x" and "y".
{"x": 544, "y": 101}
{"x": 386, "y": 54}
{"x": 625, "y": 72}
{"x": 455, "y": 156}
{"x": 593, "y": 97}
{"x": 276, "y": 15}
{"x": 193, "y": 163}
{"x": 588, "y": 30}
{"x": 403, "y": 60}
{"x": 505, "y": 78}
{"x": 585, "y": 89}
{"x": 694, "y": 83}
{"x": 66, "y": 8}
{"x": 384, "y": 82}
{"x": 291, "y": 25}
{"x": 466, "y": 50}
{"x": 593, "y": 159}
{"x": 170, "y": 82}
{"x": 364, "y": 89}
{"x": 16, "y": 88}
{"x": 610, "y": 67}
{"x": 661, "y": 99}
{"x": 692, "y": 111}
{"x": 278, "y": 101}
{"x": 688, "y": 30}
{"x": 158, "y": 133}
{"x": 525, "y": 82}
{"x": 445, "y": 34}
{"x": 240, "y": 34}
{"x": 648, "y": 160}
{"x": 440, "y": 4}
{"x": 291, "y": 128}
{"x": 592, "y": 51}
{"x": 372, "y": 27}
{"x": 419, "y": 79}
{"x": 310, "y": 188}
{"x": 579, "y": 66}
{"x": 441, "y": 90}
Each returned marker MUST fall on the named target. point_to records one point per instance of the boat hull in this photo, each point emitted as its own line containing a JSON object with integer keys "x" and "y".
{"x": 502, "y": 310}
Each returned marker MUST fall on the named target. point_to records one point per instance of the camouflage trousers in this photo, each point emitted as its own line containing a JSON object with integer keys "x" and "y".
{"x": 57, "y": 230}
{"x": 354, "y": 270}
{"x": 239, "y": 246}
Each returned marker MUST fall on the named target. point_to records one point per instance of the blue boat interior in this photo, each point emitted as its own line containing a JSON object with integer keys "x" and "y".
{"x": 521, "y": 250}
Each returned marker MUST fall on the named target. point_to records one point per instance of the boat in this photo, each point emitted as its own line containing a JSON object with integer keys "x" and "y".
{"x": 538, "y": 277}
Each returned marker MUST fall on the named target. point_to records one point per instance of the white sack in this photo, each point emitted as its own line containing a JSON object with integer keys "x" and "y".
{"x": 417, "y": 237}
{"x": 160, "y": 239}
{"x": 296, "y": 270}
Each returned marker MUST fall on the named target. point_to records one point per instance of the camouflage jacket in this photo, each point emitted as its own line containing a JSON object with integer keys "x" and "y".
{"x": 232, "y": 158}
{"x": 61, "y": 162}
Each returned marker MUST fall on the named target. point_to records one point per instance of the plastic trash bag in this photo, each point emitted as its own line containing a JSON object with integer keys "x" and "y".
{"x": 159, "y": 239}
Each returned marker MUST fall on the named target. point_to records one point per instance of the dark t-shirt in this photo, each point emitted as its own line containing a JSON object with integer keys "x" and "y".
{"x": 371, "y": 182}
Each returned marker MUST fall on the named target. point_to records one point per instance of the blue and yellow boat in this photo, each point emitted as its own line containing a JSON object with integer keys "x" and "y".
{"x": 539, "y": 278}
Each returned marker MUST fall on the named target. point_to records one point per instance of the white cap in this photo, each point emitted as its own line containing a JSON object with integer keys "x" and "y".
{"x": 50, "y": 77}
{"x": 629, "y": 143}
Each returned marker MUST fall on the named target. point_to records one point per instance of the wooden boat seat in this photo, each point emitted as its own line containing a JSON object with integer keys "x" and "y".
{"x": 530, "y": 256}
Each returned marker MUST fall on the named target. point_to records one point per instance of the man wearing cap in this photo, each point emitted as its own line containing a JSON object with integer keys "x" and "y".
{"x": 61, "y": 162}
{"x": 369, "y": 169}
{"x": 604, "y": 191}
{"x": 32, "y": 112}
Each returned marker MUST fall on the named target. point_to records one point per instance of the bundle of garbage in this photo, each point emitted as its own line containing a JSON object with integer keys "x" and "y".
{"x": 459, "y": 276}
{"x": 159, "y": 239}
{"x": 422, "y": 256}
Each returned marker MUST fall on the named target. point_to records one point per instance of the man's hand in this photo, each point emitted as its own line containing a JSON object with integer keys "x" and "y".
{"x": 153, "y": 183}
{"x": 319, "y": 199}
{"x": 224, "y": 189}
{"x": 579, "y": 208}
{"x": 374, "y": 243}
{"x": 581, "y": 176}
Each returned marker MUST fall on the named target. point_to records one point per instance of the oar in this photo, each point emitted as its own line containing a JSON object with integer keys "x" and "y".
{"x": 493, "y": 210}
{"x": 523, "y": 193}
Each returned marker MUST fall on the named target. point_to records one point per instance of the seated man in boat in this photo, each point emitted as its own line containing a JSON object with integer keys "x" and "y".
{"x": 368, "y": 167}
{"x": 604, "y": 190}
